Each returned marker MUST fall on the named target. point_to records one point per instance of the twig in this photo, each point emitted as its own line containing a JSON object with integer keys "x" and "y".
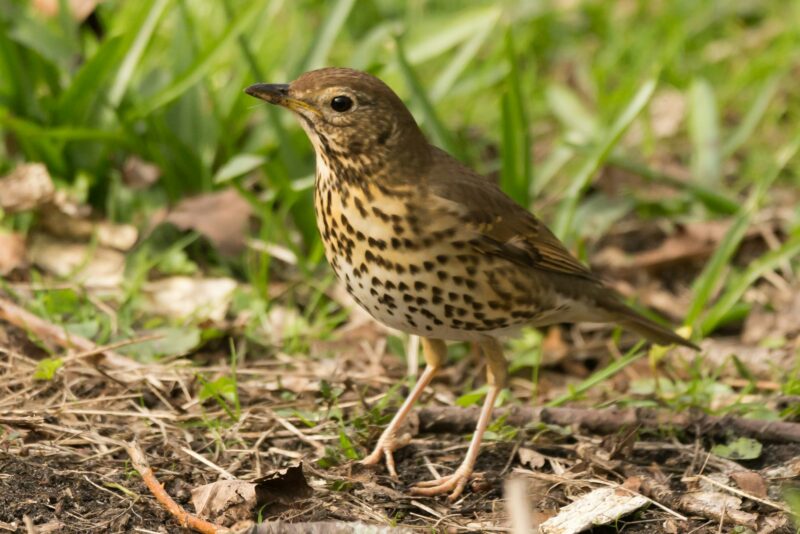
{"x": 610, "y": 420}
{"x": 25, "y": 320}
{"x": 184, "y": 518}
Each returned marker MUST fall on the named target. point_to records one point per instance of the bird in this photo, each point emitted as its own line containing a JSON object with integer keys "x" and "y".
{"x": 430, "y": 247}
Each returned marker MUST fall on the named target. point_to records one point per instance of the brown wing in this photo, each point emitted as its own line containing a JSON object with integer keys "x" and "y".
{"x": 502, "y": 227}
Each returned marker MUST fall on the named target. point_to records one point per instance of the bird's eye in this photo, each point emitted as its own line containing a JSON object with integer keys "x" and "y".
{"x": 341, "y": 103}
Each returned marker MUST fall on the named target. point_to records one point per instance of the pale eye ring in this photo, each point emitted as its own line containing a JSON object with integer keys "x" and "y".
{"x": 341, "y": 103}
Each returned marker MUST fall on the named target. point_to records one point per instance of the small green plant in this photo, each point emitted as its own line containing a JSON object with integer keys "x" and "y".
{"x": 224, "y": 390}
{"x": 46, "y": 368}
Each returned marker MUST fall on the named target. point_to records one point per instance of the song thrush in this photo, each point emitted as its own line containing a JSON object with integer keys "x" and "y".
{"x": 428, "y": 246}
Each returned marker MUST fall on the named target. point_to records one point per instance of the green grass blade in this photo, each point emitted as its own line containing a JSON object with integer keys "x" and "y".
{"x": 461, "y": 60}
{"x": 579, "y": 183}
{"x": 715, "y": 201}
{"x": 441, "y": 136}
{"x": 712, "y": 274}
{"x": 755, "y": 270}
{"x": 135, "y": 49}
{"x": 447, "y": 34}
{"x": 516, "y": 171}
{"x": 86, "y": 90}
{"x": 598, "y": 377}
{"x": 334, "y": 21}
{"x": 752, "y": 118}
{"x": 202, "y": 64}
{"x": 571, "y": 112}
{"x": 704, "y": 132}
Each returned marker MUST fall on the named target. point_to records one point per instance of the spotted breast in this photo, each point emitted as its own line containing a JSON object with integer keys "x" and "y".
{"x": 418, "y": 271}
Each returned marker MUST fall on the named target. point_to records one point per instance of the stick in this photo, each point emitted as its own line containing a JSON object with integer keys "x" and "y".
{"x": 610, "y": 420}
{"x": 184, "y": 518}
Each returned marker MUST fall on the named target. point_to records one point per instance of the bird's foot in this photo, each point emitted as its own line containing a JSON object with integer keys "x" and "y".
{"x": 386, "y": 445}
{"x": 454, "y": 483}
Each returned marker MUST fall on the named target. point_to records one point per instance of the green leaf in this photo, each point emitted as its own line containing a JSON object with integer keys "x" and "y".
{"x": 472, "y": 397}
{"x": 238, "y": 165}
{"x": 173, "y": 341}
{"x": 46, "y": 369}
{"x": 224, "y": 387}
{"x": 347, "y": 446}
{"x": 739, "y": 449}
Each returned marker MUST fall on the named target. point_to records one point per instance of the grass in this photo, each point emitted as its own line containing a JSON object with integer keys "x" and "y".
{"x": 545, "y": 97}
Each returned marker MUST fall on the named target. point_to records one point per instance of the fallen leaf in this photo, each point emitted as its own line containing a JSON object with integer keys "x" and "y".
{"x": 27, "y": 187}
{"x": 66, "y": 219}
{"x": 750, "y": 482}
{"x": 739, "y": 449}
{"x": 95, "y": 267}
{"x": 167, "y": 341}
{"x": 222, "y": 217}
{"x": 183, "y": 296}
{"x": 12, "y": 252}
{"x": 226, "y": 502}
{"x": 775, "y": 317}
{"x": 284, "y": 486}
{"x": 531, "y": 458}
{"x": 139, "y": 174}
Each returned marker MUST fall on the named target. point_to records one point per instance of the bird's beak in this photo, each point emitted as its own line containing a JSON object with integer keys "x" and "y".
{"x": 278, "y": 94}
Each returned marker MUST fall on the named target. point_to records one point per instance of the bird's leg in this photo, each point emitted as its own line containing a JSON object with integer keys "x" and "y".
{"x": 496, "y": 377}
{"x": 434, "y": 352}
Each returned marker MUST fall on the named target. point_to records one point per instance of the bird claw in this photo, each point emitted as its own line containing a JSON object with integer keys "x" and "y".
{"x": 454, "y": 483}
{"x": 384, "y": 449}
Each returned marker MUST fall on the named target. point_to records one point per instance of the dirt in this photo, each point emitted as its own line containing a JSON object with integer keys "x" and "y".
{"x": 75, "y": 496}
{"x": 61, "y": 469}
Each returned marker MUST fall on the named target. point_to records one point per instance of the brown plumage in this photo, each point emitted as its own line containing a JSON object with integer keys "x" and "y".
{"x": 430, "y": 247}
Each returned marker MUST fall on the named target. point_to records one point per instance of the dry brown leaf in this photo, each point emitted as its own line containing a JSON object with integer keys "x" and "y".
{"x": 67, "y": 219}
{"x": 751, "y": 482}
{"x": 226, "y": 502}
{"x": 12, "y": 252}
{"x": 284, "y": 486}
{"x": 184, "y": 296}
{"x": 96, "y": 267}
{"x": 222, "y": 217}
{"x": 776, "y": 315}
{"x": 27, "y": 187}
{"x": 690, "y": 242}
{"x": 531, "y": 458}
{"x": 762, "y": 362}
{"x": 140, "y": 174}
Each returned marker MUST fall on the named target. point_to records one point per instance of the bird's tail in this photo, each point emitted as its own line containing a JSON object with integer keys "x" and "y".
{"x": 633, "y": 320}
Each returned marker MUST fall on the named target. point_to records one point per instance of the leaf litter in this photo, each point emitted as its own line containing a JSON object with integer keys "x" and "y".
{"x": 273, "y": 433}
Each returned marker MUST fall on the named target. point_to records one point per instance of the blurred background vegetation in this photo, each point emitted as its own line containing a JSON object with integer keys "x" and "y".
{"x": 545, "y": 96}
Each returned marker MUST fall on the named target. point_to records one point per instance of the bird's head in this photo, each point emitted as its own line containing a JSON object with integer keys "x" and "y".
{"x": 349, "y": 115}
